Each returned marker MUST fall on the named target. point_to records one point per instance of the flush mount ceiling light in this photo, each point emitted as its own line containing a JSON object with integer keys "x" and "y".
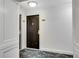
{"x": 32, "y": 3}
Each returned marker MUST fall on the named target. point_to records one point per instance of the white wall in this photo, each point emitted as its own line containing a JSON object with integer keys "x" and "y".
{"x": 1, "y": 21}
{"x": 76, "y": 28}
{"x": 56, "y": 31}
{"x": 9, "y": 29}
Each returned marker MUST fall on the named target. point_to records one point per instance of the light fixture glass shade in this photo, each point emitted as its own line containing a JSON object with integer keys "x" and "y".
{"x": 32, "y": 4}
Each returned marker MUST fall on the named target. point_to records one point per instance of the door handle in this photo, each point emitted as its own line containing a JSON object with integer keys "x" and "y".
{"x": 38, "y": 31}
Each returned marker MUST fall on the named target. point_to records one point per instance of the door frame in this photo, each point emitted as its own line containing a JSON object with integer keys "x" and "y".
{"x": 38, "y": 30}
{"x": 20, "y": 35}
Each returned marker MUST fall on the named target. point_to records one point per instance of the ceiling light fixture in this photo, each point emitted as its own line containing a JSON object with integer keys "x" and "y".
{"x": 32, "y": 4}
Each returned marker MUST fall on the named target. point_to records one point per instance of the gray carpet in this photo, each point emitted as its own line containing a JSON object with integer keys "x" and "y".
{"x": 32, "y": 53}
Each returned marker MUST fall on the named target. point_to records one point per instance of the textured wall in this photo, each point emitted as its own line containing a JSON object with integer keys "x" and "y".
{"x": 8, "y": 29}
{"x": 76, "y": 28}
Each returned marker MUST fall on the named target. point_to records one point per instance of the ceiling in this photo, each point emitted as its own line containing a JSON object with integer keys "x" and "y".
{"x": 45, "y": 3}
{"x": 19, "y": 0}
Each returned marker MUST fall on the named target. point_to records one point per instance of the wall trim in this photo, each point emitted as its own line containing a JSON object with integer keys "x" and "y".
{"x": 76, "y": 50}
{"x": 8, "y": 43}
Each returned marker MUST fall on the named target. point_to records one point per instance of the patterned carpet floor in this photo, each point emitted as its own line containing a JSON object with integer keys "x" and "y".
{"x": 33, "y": 53}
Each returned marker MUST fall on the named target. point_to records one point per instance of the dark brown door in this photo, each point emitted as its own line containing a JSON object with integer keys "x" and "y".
{"x": 32, "y": 31}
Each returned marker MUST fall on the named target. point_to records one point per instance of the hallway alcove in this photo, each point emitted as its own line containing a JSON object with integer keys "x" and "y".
{"x": 39, "y": 28}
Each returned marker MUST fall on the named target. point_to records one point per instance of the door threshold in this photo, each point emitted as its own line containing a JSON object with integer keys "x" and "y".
{"x": 30, "y": 49}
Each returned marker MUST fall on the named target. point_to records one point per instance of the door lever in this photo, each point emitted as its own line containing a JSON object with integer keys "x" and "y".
{"x": 38, "y": 31}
